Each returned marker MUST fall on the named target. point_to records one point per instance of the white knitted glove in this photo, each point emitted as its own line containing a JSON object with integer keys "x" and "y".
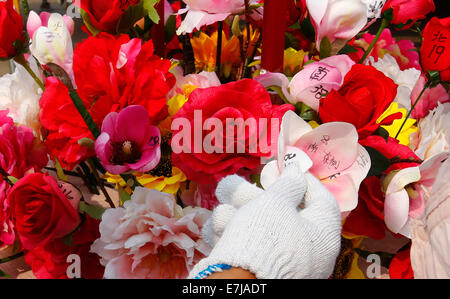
{"x": 267, "y": 233}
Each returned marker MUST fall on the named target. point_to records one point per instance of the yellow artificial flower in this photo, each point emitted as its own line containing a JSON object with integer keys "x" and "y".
{"x": 293, "y": 61}
{"x": 161, "y": 183}
{"x": 313, "y": 124}
{"x": 407, "y": 129}
{"x": 205, "y": 51}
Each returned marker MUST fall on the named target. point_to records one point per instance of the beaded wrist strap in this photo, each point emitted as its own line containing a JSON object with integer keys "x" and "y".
{"x": 212, "y": 269}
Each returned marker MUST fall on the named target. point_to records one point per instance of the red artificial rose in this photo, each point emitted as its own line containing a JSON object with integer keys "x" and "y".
{"x": 40, "y": 211}
{"x": 105, "y": 14}
{"x": 11, "y": 29}
{"x": 49, "y": 261}
{"x": 364, "y": 96}
{"x": 400, "y": 266}
{"x": 245, "y": 99}
{"x": 409, "y": 11}
{"x": 367, "y": 219}
{"x": 435, "y": 50}
{"x": 125, "y": 73}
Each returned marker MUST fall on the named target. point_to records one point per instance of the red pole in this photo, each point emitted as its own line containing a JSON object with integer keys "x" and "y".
{"x": 274, "y": 26}
{"x": 158, "y": 31}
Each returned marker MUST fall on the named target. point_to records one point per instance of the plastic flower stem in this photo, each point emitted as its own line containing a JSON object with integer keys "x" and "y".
{"x": 219, "y": 48}
{"x": 20, "y": 59}
{"x": 11, "y": 258}
{"x": 26, "y": 8}
{"x": 101, "y": 184}
{"x": 428, "y": 84}
{"x": 84, "y": 114}
{"x": 5, "y": 176}
{"x": 384, "y": 23}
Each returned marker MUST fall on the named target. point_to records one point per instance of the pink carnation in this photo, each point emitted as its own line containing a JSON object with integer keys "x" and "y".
{"x": 403, "y": 51}
{"x": 151, "y": 237}
{"x": 429, "y": 100}
{"x": 20, "y": 153}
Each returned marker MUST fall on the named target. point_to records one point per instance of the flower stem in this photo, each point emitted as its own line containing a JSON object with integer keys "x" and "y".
{"x": 26, "y": 8}
{"x": 219, "y": 48}
{"x": 414, "y": 106}
{"x": 20, "y": 59}
{"x": 101, "y": 184}
{"x": 384, "y": 23}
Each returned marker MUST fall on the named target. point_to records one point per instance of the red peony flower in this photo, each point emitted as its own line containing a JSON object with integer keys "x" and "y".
{"x": 400, "y": 267}
{"x": 126, "y": 73}
{"x": 408, "y": 12}
{"x": 49, "y": 261}
{"x": 364, "y": 96}
{"x": 105, "y": 14}
{"x": 11, "y": 29}
{"x": 246, "y": 100}
{"x": 20, "y": 153}
{"x": 40, "y": 210}
{"x": 435, "y": 50}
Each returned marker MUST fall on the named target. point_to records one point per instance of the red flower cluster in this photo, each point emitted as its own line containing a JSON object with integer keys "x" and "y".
{"x": 361, "y": 100}
{"x": 105, "y": 14}
{"x": 11, "y": 29}
{"x": 126, "y": 73}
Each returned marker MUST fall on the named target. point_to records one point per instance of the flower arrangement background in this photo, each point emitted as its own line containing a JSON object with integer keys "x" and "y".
{"x": 115, "y": 126}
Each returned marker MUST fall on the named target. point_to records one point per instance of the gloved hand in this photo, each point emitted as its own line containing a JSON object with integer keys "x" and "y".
{"x": 268, "y": 234}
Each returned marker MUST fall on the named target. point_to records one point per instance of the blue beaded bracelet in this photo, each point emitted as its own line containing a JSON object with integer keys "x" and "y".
{"x": 212, "y": 269}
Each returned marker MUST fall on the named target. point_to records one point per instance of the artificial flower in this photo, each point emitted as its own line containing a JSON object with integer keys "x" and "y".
{"x": 105, "y": 14}
{"x": 51, "y": 40}
{"x": 400, "y": 266}
{"x": 227, "y": 152}
{"x": 404, "y": 198}
{"x": 433, "y": 136}
{"x": 20, "y": 153}
{"x": 20, "y": 94}
{"x": 41, "y": 211}
{"x": 338, "y": 20}
{"x": 49, "y": 261}
{"x": 151, "y": 237}
{"x": 405, "y": 79}
{"x": 429, "y": 99}
{"x": 128, "y": 141}
{"x": 403, "y": 50}
{"x": 11, "y": 30}
{"x": 207, "y": 12}
{"x": 408, "y": 128}
{"x": 407, "y": 12}
{"x": 337, "y": 158}
{"x": 365, "y": 94}
{"x": 293, "y": 61}
{"x": 434, "y": 52}
{"x": 317, "y": 79}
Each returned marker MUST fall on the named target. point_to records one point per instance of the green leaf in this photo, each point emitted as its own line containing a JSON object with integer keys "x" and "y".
{"x": 307, "y": 29}
{"x": 68, "y": 240}
{"x": 95, "y": 212}
{"x": 379, "y": 162}
{"x": 149, "y": 6}
{"x": 389, "y": 14}
{"x": 383, "y": 133}
{"x": 3, "y": 274}
{"x": 59, "y": 171}
{"x": 88, "y": 23}
{"x": 123, "y": 195}
{"x": 325, "y": 48}
{"x": 347, "y": 49}
{"x": 12, "y": 179}
{"x": 255, "y": 178}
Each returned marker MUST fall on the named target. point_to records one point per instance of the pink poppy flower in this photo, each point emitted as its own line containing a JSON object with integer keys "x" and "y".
{"x": 330, "y": 152}
{"x": 128, "y": 142}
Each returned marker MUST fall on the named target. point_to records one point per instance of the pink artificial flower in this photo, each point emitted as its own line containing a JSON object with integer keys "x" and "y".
{"x": 151, "y": 237}
{"x": 339, "y": 20}
{"x": 403, "y": 51}
{"x": 429, "y": 100}
{"x": 313, "y": 82}
{"x": 330, "y": 152}
{"x": 128, "y": 141}
{"x": 207, "y": 12}
{"x": 399, "y": 205}
{"x": 20, "y": 153}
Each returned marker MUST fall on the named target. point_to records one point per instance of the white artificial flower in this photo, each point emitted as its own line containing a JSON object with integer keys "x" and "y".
{"x": 20, "y": 94}
{"x": 406, "y": 80}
